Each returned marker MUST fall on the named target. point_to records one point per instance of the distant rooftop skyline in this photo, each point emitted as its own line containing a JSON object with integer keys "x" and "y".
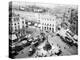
{"x": 47, "y": 5}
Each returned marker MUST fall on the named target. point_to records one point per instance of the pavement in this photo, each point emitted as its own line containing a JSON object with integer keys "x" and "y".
{"x": 66, "y": 49}
{"x": 53, "y": 40}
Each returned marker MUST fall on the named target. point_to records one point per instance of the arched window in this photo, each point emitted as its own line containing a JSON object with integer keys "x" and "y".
{"x": 23, "y": 22}
{"x": 18, "y": 26}
{"x": 45, "y": 23}
{"x": 15, "y": 28}
{"x": 45, "y": 28}
{"x": 15, "y": 24}
{"x": 18, "y": 23}
{"x": 50, "y": 28}
{"x": 50, "y": 24}
{"x": 42, "y": 23}
{"x": 42, "y": 27}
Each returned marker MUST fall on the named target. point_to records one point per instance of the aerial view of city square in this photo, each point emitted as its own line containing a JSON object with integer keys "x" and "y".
{"x": 42, "y": 29}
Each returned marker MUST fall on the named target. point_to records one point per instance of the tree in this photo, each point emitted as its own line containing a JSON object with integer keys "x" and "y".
{"x": 74, "y": 21}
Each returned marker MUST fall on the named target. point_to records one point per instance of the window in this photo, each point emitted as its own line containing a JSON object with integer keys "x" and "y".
{"x": 50, "y": 24}
{"x": 15, "y": 23}
{"x": 15, "y": 28}
{"x": 18, "y": 27}
{"x": 58, "y": 28}
{"x": 50, "y": 28}
{"x": 26, "y": 22}
{"x": 45, "y": 23}
{"x": 23, "y": 22}
{"x": 14, "y": 19}
{"x": 45, "y": 28}
{"x": 42, "y": 27}
{"x": 18, "y": 22}
{"x": 23, "y": 26}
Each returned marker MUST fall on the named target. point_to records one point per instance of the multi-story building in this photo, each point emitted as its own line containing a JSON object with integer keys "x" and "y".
{"x": 16, "y": 23}
{"x": 47, "y": 22}
{"x": 44, "y": 21}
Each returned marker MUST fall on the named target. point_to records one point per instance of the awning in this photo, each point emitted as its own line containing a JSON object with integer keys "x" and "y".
{"x": 75, "y": 37}
{"x": 13, "y": 37}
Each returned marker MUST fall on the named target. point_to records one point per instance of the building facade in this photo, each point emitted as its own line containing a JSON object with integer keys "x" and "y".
{"x": 47, "y": 22}
{"x": 43, "y": 21}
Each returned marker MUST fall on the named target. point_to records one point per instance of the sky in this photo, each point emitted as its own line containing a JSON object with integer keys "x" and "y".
{"x": 50, "y": 5}
{"x": 55, "y": 8}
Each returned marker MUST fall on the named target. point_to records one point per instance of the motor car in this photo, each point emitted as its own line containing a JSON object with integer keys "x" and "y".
{"x": 15, "y": 40}
{"x": 22, "y": 8}
{"x": 36, "y": 44}
{"x": 47, "y": 47}
{"x": 69, "y": 41}
{"x": 13, "y": 53}
{"x": 31, "y": 51}
{"x": 58, "y": 53}
{"x": 41, "y": 53}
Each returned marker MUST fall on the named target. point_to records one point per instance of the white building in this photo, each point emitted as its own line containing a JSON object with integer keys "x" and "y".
{"x": 47, "y": 22}
{"x": 17, "y": 23}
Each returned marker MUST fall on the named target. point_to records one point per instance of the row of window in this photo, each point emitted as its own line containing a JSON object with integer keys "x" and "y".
{"x": 17, "y": 27}
{"x": 47, "y": 19}
{"x": 15, "y": 19}
{"x": 18, "y": 23}
{"x": 47, "y": 24}
{"x": 47, "y": 28}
